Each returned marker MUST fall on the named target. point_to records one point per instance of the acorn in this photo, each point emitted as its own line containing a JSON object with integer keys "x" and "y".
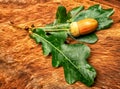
{"x": 83, "y": 27}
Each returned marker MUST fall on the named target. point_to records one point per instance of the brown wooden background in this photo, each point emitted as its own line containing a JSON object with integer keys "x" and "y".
{"x": 22, "y": 64}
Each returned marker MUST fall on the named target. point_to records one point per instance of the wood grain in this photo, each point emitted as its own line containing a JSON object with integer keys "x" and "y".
{"x": 22, "y": 64}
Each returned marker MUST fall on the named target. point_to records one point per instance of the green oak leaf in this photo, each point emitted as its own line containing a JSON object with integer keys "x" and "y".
{"x": 61, "y": 18}
{"x": 71, "y": 56}
{"x": 72, "y": 13}
{"x": 91, "y": 38}
{"x": 61, "y": 15}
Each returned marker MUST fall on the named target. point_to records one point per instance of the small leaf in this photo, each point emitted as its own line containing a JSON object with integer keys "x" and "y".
{"x": 90, "y": 38}
{"x": 61, "y": 15}
{"x": 72, "y": 13}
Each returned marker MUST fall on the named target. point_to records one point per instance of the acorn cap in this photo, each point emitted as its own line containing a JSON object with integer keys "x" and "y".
{"x": 74, "y": 29}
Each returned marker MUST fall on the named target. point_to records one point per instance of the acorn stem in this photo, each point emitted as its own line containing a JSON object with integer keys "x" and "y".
{"x": 55, "y": 30}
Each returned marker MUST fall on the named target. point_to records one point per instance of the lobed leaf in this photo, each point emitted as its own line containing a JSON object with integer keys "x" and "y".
{"x": 71, "y": 56}
{"x": 61, "y": 15}
{"x": 72, "y": 13}
{"x": 90, "y": 38}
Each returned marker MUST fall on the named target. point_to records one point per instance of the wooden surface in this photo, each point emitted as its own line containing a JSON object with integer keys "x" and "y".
{"x": 22, "y": 64}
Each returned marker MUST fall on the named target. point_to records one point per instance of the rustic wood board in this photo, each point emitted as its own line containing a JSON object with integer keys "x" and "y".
{"x": 22, "y": 64}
